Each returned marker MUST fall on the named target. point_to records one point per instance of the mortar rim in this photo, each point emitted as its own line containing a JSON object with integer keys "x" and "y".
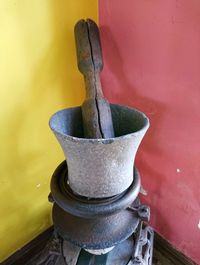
{"x": 100, "y": 140}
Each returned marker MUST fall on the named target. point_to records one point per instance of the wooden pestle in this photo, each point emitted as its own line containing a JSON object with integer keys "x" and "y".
{"x": 96, "y": 113}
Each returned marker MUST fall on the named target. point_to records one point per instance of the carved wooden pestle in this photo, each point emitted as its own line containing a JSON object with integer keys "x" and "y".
{"x": 96, "y": 113}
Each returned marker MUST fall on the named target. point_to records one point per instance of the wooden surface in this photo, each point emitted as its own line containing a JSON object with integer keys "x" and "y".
{"x": 97, "y": 120}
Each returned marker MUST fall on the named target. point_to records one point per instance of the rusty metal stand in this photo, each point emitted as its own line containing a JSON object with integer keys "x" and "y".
{"x": 73, "y": 234}
{"x": 136, "y": 250}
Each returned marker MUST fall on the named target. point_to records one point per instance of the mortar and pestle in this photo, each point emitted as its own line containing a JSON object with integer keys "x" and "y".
{"x": 97, "y": 185}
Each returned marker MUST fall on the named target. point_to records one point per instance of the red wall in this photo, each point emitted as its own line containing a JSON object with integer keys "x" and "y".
{"x": 152, "y": 62}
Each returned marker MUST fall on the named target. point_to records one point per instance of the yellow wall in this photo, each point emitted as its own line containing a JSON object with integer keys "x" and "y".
{"x": 38, "y": 76}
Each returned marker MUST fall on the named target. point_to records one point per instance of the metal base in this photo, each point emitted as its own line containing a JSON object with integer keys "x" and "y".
{"x": 81, "y": 223}
{"x": 94, "y": 223}
{"x": 136, "y": 250}
{"x": 94, "y": 233}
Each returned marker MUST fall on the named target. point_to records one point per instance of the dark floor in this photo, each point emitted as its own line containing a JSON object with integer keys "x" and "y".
{"x": 160, "y": 259}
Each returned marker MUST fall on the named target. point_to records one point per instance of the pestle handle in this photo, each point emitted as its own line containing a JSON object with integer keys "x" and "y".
{"x": 88, "y": 46}
{"x": 96, "y": 113}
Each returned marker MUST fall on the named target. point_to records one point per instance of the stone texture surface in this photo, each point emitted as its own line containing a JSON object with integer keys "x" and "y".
{"x": 100, "y": 167}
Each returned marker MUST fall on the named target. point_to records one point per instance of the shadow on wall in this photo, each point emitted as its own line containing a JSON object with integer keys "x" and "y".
{"x": 125, "y": 93}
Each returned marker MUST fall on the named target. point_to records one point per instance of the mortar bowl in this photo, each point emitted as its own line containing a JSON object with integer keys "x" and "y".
{"x": 100, "y": 168}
